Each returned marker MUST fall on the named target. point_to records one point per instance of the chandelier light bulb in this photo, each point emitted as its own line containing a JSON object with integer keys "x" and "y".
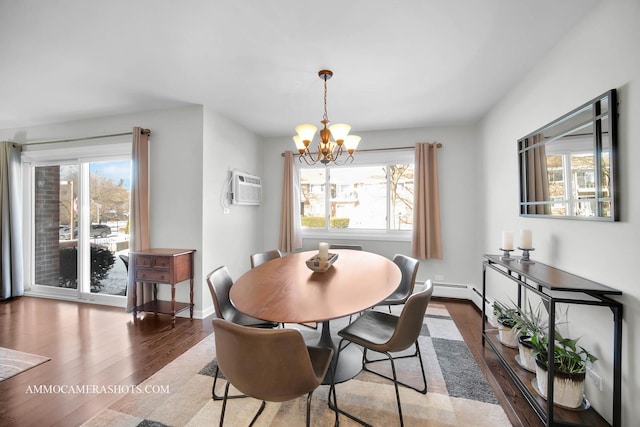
{"x": 306, "y": 133}
{"x": 299, "y": 143}
{"x": 351, "y": 143}
{"x": 339, "y": 132}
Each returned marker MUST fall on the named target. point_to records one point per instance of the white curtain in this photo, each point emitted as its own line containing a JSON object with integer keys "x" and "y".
{"x": 11, "y": 265}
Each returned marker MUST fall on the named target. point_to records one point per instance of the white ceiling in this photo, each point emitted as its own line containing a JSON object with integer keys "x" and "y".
{"x": 397, "y": 64}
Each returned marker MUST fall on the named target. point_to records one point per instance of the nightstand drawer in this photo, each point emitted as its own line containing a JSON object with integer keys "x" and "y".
{"x": 153, "y": 276}
{"x": 155, "y": 262}
{"x": 143, "y": 261}
{"x": 162, "y": 262}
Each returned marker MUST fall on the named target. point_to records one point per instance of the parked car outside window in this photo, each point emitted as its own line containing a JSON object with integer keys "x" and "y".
{"x": 100, "y": 230}
{"x": 65, "y": 232}
{"x": 97, "y": 230}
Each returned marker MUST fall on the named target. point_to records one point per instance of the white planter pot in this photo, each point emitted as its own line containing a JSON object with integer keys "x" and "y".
{"x": 567, "y": 391}
{"x": 493, "y": 320}
{"x": 527, "y": 361}
{"x": 507, "y": 336}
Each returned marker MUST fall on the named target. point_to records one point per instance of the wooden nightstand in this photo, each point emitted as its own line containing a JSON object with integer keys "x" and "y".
{"x": 162, "y": 266}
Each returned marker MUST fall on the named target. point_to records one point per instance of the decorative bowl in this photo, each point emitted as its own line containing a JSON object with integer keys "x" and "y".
{"x": 320, "y": 266}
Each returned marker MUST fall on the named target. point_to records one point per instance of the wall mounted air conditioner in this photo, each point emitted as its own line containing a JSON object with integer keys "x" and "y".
{"x": 246, "y": 189}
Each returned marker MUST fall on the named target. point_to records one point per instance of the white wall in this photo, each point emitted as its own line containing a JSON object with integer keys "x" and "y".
{"x": 599, "y": 54}
{"x": 230, "y": 238}
{"x": 457, "y": 167}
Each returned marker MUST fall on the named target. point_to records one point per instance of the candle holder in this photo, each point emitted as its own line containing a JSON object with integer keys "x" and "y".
{"x": 506, "y": 254}
{"x": 525, "y": 255}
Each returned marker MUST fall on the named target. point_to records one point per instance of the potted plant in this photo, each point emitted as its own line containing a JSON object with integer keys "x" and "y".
{"x": 529, "y": 322}
{"x": 507, "y": 317}
{"x": 570, "y": 368}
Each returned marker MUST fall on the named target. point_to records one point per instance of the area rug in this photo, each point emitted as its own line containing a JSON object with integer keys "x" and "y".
{"x": 458, "y": 394}
{"x": 13, "y": 362}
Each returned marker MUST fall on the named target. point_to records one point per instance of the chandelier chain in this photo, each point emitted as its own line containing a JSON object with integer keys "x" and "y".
{"x": 325, "y": 117}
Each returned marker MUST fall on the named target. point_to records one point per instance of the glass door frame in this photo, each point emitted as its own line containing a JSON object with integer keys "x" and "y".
{"x": 81, "y": 155}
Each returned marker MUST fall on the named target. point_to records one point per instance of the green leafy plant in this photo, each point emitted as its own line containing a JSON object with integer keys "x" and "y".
{"x": 530, "y": 321}
{"x": 507, "y": 316}
{"x": 568, "y": 356}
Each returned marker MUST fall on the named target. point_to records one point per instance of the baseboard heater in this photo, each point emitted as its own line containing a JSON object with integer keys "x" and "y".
{"x": 447, "y": 290}
{"x": 479, "y": 294}
{"x": 449, "y": 285}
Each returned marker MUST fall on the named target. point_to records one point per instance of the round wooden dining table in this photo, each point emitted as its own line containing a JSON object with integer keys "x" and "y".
{"x": 285, "y": 290}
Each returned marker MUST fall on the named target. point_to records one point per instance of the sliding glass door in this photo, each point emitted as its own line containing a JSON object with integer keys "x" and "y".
{"x": 79, "y": 228}
{"x": 109, "y": 229}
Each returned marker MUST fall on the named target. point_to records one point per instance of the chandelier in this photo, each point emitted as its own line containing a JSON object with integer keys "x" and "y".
{"x": 329, "y": 151}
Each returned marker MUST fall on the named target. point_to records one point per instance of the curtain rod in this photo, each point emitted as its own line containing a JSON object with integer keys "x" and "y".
{"x": 439, "y": 145}
{"x": 144, "y": 131}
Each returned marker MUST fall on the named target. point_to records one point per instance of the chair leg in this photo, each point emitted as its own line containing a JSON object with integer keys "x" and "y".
{"x": 356, "y": 314}
{"x": 334, "y": 406}
{"x": 262, "y": 405}
{"x": 424, "y": 377}
{"x": 416, "y": 354}
{"x": 332, "y": 390}
{"x": 224, "y": 403}
{"x": 214, "y": 396}
{"x": 395, "y": 383}
{"x": 335, "y": 401}
{"x": 309, "y": 408}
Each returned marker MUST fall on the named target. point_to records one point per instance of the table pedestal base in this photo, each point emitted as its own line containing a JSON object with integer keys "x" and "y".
{"x": 350, "y": 361}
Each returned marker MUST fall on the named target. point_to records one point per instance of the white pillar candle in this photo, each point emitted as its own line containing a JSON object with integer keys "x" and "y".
{"x": 323, "y": 251}
{"x": 526, "y": 239}
{"x": 507, "y": 240}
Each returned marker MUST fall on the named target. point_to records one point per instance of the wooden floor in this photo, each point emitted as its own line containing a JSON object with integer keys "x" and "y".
{"x": 103, "y": 346}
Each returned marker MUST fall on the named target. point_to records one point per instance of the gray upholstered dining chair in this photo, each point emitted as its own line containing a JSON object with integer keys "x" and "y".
{"x": 271, "y": 365}
{"x": 387, "y": 333}
{"x": 262, "y": 257}
{"x": 409, "y": 269}
{"x": 220, "y": 283}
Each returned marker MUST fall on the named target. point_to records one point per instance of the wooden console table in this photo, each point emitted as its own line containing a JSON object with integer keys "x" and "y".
{"x": 554, "y": 286}
{"x": 162, "y": 266}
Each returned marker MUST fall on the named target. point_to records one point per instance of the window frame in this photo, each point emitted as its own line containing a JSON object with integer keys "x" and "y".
{"x": 361, "y": 159}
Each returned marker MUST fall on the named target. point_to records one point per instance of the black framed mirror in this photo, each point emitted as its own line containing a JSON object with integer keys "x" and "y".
{"x": 568, "y": 167}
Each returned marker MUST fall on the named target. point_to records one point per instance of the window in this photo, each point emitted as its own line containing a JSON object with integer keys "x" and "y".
{"x": 375, "y": 196}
